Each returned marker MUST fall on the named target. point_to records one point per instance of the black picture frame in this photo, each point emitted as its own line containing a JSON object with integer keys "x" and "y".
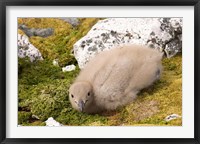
{"x": 5, "y": 3}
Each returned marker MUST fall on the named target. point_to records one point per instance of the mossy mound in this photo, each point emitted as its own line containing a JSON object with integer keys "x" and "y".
{"x": 43, "y": 87}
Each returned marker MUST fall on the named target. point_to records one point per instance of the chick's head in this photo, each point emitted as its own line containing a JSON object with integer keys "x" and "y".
{"x": 81, "y": 95}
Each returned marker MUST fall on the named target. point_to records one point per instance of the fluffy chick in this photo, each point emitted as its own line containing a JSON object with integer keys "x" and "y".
{"x": 113, "y": 78}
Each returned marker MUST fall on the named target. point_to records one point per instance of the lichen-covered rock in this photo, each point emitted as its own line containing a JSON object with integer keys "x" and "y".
{"x": 26, "y": 49}
{"x": 70, "y": 20}
{"x": 164, "y": 34}
{"x": 36, "y": 32}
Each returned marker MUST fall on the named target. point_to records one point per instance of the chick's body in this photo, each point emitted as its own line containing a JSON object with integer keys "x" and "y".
{"x": 113, "y": 78}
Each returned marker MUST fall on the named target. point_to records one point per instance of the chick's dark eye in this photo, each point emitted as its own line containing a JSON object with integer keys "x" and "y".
{"x": 72, "y": 95}
{"x": 88, "y": 94}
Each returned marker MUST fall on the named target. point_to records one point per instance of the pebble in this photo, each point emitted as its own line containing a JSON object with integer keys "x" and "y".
{"x": 69, "y": 68}
{"x": 172, "y": 116}
{"x": 51, "y": 122}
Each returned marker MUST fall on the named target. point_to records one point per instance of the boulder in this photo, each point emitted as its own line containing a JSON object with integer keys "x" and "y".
{"x": 164, "y": 34}
{"x": 36, "y": 31}
{"x": 26, "y": 49}
{"x": 73, "y": 21}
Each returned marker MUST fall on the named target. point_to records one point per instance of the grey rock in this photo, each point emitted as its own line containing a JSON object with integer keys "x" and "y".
{"x": 164, "y": 34}
{"x": 172, "y": 117}
{"x": 26, "y": 49}
{"x": 36, "y": 32}
{"x": 73, "y": 21}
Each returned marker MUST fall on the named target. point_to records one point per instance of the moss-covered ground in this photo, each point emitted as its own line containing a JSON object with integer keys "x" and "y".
{"x": 43, "y": 87}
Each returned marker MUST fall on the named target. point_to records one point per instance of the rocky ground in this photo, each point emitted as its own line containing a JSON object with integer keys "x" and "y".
{"x": 46, "y": 47}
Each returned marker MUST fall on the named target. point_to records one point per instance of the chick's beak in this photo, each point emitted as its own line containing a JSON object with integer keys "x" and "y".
{"x": 81, "y": 105}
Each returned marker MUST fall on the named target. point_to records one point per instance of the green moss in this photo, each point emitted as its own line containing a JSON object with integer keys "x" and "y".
{"x": 34, "y": 123}
{"x": 23, "y": 117}
{"x": 69, "y": 116}
{"x": 43, "y": 87}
